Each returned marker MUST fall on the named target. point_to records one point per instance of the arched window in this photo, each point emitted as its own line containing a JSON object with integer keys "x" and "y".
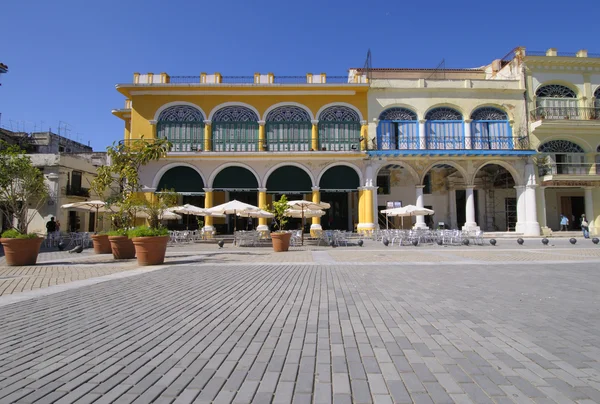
{"x": 555, "y": 101}
{"x": 339, "y": 128}
{"x": 561, "y": 157}
{"x": 235, "y": 128}
{"x": 490, "y": 129}
{"x": 444, "y": 129}
{"x": 183, "y": 126}
{"x": 397, "y": 129}
{"x": 288, "y": 128}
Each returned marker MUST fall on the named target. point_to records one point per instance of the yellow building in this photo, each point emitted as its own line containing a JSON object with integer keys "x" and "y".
{"x": 253, "y": 138}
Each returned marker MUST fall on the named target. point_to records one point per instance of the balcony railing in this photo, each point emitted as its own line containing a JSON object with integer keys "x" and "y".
{"x": 569, "y": 169}
{"x": 78, "y": 191}
{"x": 565, "y": 113}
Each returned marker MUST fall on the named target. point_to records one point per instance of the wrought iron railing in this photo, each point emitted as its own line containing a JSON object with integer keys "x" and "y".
{"x": 237, "y": 79}
{"x": 562, "y": 54}
{"x": 339, "y": 136}
{"x": 184, "y": 79}
{"x": 562, "y": 113}
{"x": 289, "y": 80}
{"x": 235, "y": 136}
{"x": 569, "y": 169}
{"x": 77, "y": 191}
{"x": 337, "y": 79}
{"x": 444, "y": 135}
{"x": 398, "y": 135}
{"x": 288, "y": 136}
{"x": 183, "y": 136}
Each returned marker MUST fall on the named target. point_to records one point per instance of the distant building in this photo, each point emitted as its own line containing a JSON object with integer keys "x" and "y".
{"x": 69, "y": 168}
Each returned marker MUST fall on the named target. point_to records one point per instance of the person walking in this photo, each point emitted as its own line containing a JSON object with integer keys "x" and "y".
{"x": 50, "y": 227}
{"x": 585, "y": 227}
{"x": 564, "y": 222}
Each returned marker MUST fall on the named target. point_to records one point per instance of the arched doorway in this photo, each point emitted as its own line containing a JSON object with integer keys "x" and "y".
{"x": 497, "y": 205}
{"x": 339, "y": 187}
{"x": 339, "y": 129}
{"x": 555, "y": 101}
{"x": 188, "y": 183}
{"x": 294, "y": 183}
{"x": 398, "y": 129}
{"x": 234, "y": 182}
{"x": 288, "y": 128}
{"x": 235, "y": 129}
{"x": 395, "y": 188}
{"x": 444, "y": 129}
{"x": 183, "y": 126}
{"x": 490, "y": 129}
{"x": 445, "y": 190}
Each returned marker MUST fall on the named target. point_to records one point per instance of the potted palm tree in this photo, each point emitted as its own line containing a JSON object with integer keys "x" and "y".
{"x": 23, "y": 191}
{"x": 281, "y": 238}
{"x": 122, "y": 178}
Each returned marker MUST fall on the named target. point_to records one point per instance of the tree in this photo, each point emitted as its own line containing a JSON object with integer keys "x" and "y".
{"x": 23, "y": 190}
{"x": 278, "y": 209}
{"x": 122, "y": 178}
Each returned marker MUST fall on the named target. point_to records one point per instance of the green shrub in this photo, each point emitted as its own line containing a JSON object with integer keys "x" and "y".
{"x": 119, "y": 232}
{"x": 144, "y": 231}
{"x": 14, "y": 233}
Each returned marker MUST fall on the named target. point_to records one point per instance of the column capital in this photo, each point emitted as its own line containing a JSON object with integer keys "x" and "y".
{"x": 207, "y": 189}
{"x": 363, "y": 122}
{"x": 152, "y": 122}
{"x": 314, "y": 121}
{"x": 419, "y": 186}
{"x": 207, "y": 122}
{"x": 261, "y": 189}
{"x": 468, "y": 120}
{"x": 519, "y": 187}
{"x": 470, "y": 187}
{"x": 261, "y": 123}
{"x": 531, "y": 186}
{"x": 148, "y": 189}
{"x": 315, "y": 188}
{"x": 422, "y": 120}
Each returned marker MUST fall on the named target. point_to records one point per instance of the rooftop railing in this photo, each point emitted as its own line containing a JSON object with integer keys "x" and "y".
{"x": 563, "y": 113}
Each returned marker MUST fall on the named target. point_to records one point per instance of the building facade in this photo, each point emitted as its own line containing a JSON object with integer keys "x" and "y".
{"x": 464, "y": 142}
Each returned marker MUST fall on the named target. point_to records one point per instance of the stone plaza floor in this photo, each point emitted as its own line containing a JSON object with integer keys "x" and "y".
{"x": 315, "y": 325}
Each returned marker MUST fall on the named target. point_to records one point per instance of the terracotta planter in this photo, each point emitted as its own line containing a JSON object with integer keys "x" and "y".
{"x": 21, "y": 251}
{"x": 150, "y": 250}
{"x": 122, "y": 247}
{"x": 281, "y": 241}
{"x": 101, "y": 244}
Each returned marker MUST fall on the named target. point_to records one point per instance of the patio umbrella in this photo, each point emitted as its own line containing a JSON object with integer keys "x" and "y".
{"x": 255, "y": 213}
{"x": 304, "y": 206}
{"x": 89, "y": 206}
{"x": 232, "y": 208}
{"x": 166, "y": 215}
{"x": 297, "y": 213}
{"x": 408, "y": 210}
{"x": 188, "y": 210}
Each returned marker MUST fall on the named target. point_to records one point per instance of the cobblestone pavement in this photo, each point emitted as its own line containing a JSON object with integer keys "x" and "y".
{"x": 239, "y": 326}
{"x": 56, "y": 268}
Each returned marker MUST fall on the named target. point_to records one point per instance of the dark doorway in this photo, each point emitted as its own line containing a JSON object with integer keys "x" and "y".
{"x": 92, "y": 222}
{"x": 336, "y": 217}
{"x": 243, "y": 223}
{"x": 73, "y": 222}
{"x": 510, "y": 208}
{"x": 461, "y": 206}
{"x": 578, "y": 209}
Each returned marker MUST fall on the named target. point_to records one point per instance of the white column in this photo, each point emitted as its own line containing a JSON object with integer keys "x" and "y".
{"x": 422, "y": 143}
{"x": 375, "y": 207}
{"x": 468, "y": 133}
{"x": 589, "y": 209}
{"x": 541, "y": 197}
{"x": 349, "y": 195}
{"x": 453, "y": 224}
{"x": 420, "y": 224}
{"x": 470, "y": 223}
{"x": 532, "y": 227}
{"x": 520, "y": 227}
{"x": 481, "y": 195}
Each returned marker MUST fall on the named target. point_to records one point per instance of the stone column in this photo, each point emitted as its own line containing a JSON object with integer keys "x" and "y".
{"x": 541, "y": 199}
{"x": 314, "y": 139}
{"x": 470, "y": 223}
{"x": 452, "y": 197}
{"x": 532, "y": 227}
{"x": 364, "y": 134}
{"x": 262, "y": 203}
{"x": 153, "y": 128}
{"x": 316, "y": 221}
{"x": 262, "y": 141}
{"x": 420, "y": 224}
{"x": 521, "y": 219}
{"x": 589, "y": 209}
{"x": 207, "y": 135}
{"x": 422, "y": 139}
{"x": 208, "y": 203}
{"x": 468, "y": 142}
{"x": 365, "y": 204}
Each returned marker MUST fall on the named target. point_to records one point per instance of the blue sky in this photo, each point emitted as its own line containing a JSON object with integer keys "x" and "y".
{"x": 66, "y": 56}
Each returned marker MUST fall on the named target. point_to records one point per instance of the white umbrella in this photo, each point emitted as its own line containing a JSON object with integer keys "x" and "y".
{"x": 408, "y": 210}
{"x": 306, "y": 206}
{"x": 231, "y": 208}
{"x": 297, "y": 213}
{"x": 166, "y": 215}
{"x": 89, "y": 206}
{"x": 256, "y": 213}
{"x": 188, "y": 209}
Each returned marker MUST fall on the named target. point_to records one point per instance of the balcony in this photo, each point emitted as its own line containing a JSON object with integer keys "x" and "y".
{"x": 566, "y": 113}
{"x": 569, "y": 169}
{"x": 77, "y": 191}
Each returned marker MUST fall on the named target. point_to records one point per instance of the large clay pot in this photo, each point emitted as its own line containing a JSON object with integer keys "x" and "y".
{"x": 281, "y": 241}
{"x": 21, "y": 251}
{"x": 122, "y": 247}
{"x": 101, "y": 244}
{"x": 150, "y": 250}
